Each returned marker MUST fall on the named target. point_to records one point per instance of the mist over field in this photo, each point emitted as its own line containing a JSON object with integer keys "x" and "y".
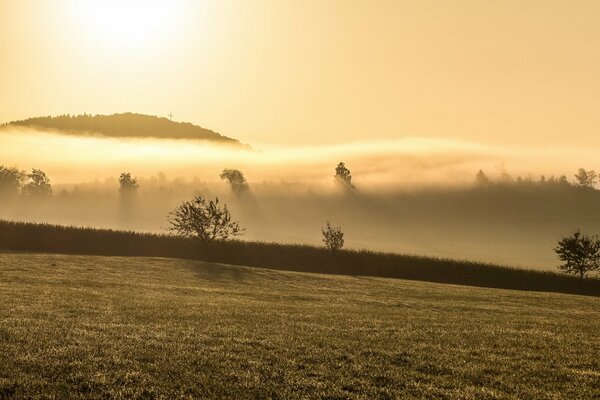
{"x": 382, "y": 164}
{"x": 412, "y": 195}
{"x": 333, "y": 199}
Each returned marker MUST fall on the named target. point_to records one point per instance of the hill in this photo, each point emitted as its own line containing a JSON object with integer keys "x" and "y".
{"x": 126, "y": 125}
{"x": 117, "y": 327}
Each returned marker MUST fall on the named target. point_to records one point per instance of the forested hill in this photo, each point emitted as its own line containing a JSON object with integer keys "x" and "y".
{"x": 126, "y": 125}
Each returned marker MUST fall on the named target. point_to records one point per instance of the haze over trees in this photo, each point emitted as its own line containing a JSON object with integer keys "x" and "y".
{"x": 11, "y": 180}
{"x": 204, "y": 220}
{"x": 37, "y": 184}
{"x": 128, "y": 185}
{"x": 343, "y": 176}
{"x": 481, "y": 178}
{"x": 586, "y": 179}
{"x": 235, "y": 178}
{"x": 33, "y": 184}
{"x": 583, "y": 179}
{"x": 486, "y": 223}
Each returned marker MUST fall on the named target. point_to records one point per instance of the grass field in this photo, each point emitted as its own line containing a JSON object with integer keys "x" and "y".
{"x": 116, "y": 327}
{"x": 44, "y": 238}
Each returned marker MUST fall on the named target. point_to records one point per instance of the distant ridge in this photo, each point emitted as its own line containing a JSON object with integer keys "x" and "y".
{"x": 125, "y": 125}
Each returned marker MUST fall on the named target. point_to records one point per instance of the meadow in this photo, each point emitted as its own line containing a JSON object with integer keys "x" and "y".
{"x": 134, "y": 327}
{"x": 32, "y": 237}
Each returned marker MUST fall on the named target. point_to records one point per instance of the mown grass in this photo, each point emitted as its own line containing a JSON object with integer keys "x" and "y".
{"x": 76, "y": 240}
{"x": 116, "y": 327}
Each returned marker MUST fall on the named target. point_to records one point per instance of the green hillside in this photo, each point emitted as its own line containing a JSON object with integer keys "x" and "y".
{"x": 117, "y": 327}
{"x": 126, "y": 125}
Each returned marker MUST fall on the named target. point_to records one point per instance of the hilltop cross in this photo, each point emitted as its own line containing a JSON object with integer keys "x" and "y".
{"x": 171, "y": 116}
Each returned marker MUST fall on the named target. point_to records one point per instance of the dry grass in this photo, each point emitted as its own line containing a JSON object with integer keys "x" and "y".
{"x": 116, "y": 327}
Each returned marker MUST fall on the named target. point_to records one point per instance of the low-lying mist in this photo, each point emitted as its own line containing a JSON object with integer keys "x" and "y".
{"x": 412, "y": 195}
{"x": 404, "y": 163}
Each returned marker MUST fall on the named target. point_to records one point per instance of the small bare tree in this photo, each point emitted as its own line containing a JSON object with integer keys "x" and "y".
{"x": 333, "y": 237}
{"x": 580, "y": 254}
{"x": 204, "y": 220}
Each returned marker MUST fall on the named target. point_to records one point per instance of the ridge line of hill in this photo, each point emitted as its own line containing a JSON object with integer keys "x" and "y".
{"x": 125, "y": 125}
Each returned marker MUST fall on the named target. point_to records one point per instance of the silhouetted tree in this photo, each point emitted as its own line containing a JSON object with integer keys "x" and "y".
{"x": 128, "y": 184}
{"x": 562, "y": 180}
{"x": 481, "y": 178}
{"x": 343, "y": 175}
{"x": 11, "y": 180}
{"x": 333, "y": 237}
{"x": 580, "y": 254}
{"x": 585, "y": 179}
{"x": 236, "y": 180}
{"x": 37, "y": 184}
{"x": 204, "y": 220}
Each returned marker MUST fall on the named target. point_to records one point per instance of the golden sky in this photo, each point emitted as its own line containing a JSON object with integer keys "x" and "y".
{"x": 294, "y": 72}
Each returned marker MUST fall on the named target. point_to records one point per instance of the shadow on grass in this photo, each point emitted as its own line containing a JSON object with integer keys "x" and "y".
{"x": 219, "y": 272}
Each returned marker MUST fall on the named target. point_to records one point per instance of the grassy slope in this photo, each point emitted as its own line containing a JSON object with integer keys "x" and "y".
{"x": 43, "y": 238}
{"x": 148, "y": 327}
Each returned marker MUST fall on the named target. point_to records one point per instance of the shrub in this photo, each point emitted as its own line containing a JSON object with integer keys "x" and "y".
{"x": 204, "y": 220}
{"x": 333, "y": 237}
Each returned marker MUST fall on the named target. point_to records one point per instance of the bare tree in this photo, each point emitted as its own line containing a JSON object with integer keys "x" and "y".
{"x": 37, "y": 184}
{"x": 504, "y": 175}
{"x": 343, "y": 175}
{"x": 333, "y": 237}
{"x": 580, "y": 254}
{"x": 236, "y": 180}
{"x": 204, "y": 220}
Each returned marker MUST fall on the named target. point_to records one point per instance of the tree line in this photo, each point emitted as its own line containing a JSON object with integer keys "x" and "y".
{"x": 14, "y": 181}
{"x": 207, "y": 220}
{"x": 583, "y": 179}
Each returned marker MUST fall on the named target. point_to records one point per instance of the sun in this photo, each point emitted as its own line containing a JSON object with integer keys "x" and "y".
{"x": 128, "y": 23}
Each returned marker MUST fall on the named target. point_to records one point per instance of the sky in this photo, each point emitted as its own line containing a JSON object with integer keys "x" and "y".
{"x": 291, "y": 73}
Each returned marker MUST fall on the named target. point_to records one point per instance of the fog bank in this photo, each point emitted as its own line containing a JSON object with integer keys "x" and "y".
{"x": 412, "y": 195}
{"x": 407, "y": 162}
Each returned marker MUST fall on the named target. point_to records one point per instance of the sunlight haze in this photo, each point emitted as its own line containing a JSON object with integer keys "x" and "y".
{"x": 311, "y": 72}
{"x": 299, "y": 199}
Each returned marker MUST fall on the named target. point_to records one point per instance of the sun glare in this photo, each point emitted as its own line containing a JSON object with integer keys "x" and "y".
{"x": 129, "y": 22}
